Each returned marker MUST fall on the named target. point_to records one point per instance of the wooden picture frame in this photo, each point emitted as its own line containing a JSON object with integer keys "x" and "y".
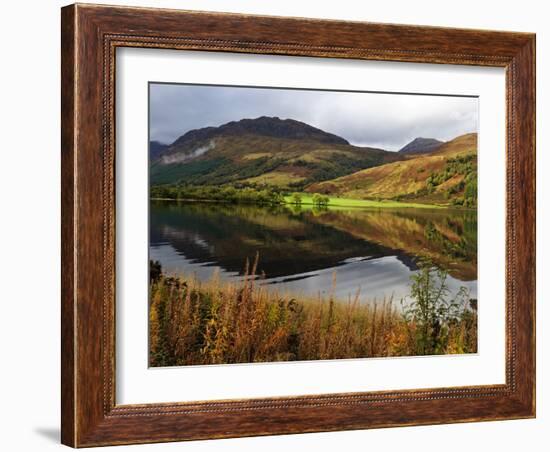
{"x": 90, "y": 36}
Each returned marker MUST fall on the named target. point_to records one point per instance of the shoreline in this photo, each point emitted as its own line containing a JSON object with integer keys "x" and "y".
{"x": 362, "y": 204}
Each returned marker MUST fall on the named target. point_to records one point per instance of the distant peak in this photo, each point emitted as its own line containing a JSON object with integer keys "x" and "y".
{"x": 421, "y": 145}
{"x": 156, "y": 148}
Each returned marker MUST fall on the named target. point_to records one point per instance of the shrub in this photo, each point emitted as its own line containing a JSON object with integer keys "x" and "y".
{"x": 431, "y": 310}
{"x": 296, "y": 198}
{"x": 320, "y": 200}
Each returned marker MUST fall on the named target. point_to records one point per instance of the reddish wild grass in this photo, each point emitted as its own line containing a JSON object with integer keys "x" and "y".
{"x": 214, "y": 322}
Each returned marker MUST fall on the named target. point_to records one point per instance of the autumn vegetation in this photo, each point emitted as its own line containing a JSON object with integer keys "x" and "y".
{"x": 447, "y": 176}
{"x": 194, "y": 322}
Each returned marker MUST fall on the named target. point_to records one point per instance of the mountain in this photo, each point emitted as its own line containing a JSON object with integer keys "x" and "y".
{"x": 447, "y": 176}
{"x": 421, "y": 146}
{"x": 262, "y": 151}
{"x": 263, "y": 126}
{"x": 156, "y": 148}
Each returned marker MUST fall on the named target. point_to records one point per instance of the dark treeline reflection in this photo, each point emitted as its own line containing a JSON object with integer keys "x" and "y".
{"x": 301, "y": 250}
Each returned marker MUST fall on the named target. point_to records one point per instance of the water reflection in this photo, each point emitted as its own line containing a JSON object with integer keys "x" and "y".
{"x": 370, "y": 251}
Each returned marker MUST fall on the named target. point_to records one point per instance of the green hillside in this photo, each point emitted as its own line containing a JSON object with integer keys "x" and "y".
{"x": 446, "y": 176}
{"x": 263, "y": 151}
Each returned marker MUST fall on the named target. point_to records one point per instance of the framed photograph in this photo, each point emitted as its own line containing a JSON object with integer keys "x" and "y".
{"x": 282, "y": 225}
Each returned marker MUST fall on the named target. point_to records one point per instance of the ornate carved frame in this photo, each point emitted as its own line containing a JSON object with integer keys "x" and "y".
{"x": 90, "y": 36}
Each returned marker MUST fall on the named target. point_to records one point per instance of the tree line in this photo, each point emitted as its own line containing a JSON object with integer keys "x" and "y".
{"x": 232, "y": 194}
{"x": 222, "y": 193}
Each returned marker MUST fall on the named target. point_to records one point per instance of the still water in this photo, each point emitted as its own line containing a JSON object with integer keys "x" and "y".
{"x": 371, "y": 252}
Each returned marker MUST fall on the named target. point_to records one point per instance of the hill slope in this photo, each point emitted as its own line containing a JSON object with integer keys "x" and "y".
{"x": 156, "y": 149}
{"x": 262, "y": 151}
{"x": 447, "y": 176}
{"x": 421, "y": 146}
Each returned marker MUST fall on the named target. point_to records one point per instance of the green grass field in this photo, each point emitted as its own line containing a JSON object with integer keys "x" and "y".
{"x": 307, "y": 201}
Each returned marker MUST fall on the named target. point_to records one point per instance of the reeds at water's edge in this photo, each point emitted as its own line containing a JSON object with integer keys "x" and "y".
{"x": 219, "y": 322}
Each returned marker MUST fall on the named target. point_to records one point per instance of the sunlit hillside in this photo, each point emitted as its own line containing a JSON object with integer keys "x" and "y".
{"x": 446, "y": 176}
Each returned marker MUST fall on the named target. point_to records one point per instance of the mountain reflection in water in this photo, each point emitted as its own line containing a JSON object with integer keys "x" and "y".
{"x": 372, "y": 251}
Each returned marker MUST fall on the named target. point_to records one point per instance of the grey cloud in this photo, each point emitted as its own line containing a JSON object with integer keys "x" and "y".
{"x": 387, "y": 121}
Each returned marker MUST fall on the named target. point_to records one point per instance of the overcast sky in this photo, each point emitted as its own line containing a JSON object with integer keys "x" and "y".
{"x": 387, "y": 121}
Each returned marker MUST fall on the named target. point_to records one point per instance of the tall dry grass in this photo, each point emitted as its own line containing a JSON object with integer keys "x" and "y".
{"x": 218, "y": 322}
